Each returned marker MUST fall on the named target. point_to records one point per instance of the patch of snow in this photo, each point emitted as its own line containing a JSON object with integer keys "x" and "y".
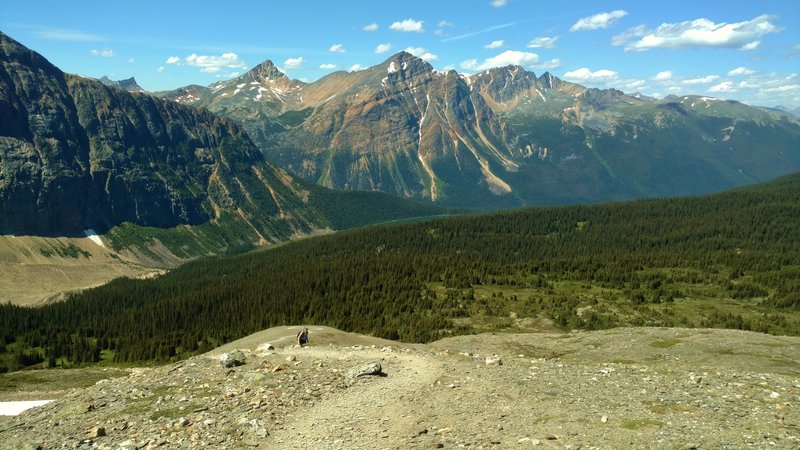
{"x": 16, "y": 408}
{"x": 239, "y": 86}
{"x": 405, "y": 65}
{"x": 236, "y": 91}
{"x": 392, "y": 68}
{"x": 255, "y": 83}
{"x": 540, "y": 95}
{"x": 91, "y": 234}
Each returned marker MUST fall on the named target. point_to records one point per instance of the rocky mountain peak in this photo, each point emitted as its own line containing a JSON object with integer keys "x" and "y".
{"x": 550, "y": 81}
{"x": 511, "y": 71}
{"x": 407, "y": 64}
{"x": 267, "y": 71}
{"x": 128, "y": 84}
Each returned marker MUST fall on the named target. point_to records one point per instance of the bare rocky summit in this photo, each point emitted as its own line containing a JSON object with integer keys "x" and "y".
{"x": 620, "y": 388}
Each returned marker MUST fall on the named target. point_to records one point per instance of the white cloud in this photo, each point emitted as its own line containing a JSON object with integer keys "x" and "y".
{"x": 784, "y": 88}
{"x": 420, "y": 52}
{"x": 209, "y": 63}
{"x": 408, "y": 25}
{"x": 499, "y": 3}
{"x": 634, "y": 84}
{"x": 701, "y": 80}
{"x": 584, "y": 74}
{"x": 550, "y": 64}
{"x": 337, "y": 48}
{"x": 355, "y": 68}
{"x": 698, "y": 33}
{"x": 371, "y": 27}
{"x": 327, "y": 66}
{"x": 105, "y": 53}
{"x": 160, "y": 69}
{"x": 750, "y": 46}
{"x": 294, "y": 63}
{"x": 508, "y": 57}
{"x": 663, "y": 76}
{"x": 63, "y": 34}
{"x": 598, "y": 21}
{"x": 741, "y": 71}
{"x": 445, "y": 23}
{"x": 542, "y": 42}
{"x": 495, "y": 44}
{"x": 725, "y": 86}
{"x": 383, "y": 48}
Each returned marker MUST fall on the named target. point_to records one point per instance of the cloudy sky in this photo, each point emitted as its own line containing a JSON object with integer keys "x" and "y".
{"x": 744, "y": 50}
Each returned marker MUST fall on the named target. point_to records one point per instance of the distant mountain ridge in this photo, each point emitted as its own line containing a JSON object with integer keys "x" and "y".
{"x": 499, "y": 138}
{"x": 129, "y": 84}
{"x": 76, "y": 154}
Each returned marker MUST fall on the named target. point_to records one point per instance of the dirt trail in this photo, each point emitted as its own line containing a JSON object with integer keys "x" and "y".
{"x": 378, "y": 412}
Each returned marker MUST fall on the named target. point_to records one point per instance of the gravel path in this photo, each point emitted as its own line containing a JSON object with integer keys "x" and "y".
{"x": 613, "y": 389}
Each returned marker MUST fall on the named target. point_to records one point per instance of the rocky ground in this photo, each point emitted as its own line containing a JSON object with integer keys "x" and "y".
{"x": 621, "y": 388}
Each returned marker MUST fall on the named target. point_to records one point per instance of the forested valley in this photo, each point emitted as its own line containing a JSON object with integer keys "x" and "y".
{"x": 729, "y": 260}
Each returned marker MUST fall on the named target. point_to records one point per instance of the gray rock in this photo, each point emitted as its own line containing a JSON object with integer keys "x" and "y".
{"x": 367, "y": 369}
{"x": 265, "y": 347}
{"x": 231, "y": 359}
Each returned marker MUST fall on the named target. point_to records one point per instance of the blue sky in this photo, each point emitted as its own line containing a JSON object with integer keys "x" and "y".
{"x": 744, "y": 50}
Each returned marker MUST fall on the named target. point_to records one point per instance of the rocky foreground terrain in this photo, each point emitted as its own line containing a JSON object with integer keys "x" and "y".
{"x": 620, "y": 388}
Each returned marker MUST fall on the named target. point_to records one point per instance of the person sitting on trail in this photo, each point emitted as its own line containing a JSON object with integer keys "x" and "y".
{"x": 302, "y": 337}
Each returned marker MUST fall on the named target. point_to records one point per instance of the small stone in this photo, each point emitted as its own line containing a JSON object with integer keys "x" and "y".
{"x": 128, "y": 445}
{"x": 444, "y": 430}
{"x": 604, "y": 419}
{"x": 291, "y": 358}
{"x": 494, "y": 360}
{"x": 265, "y": 347}
{"x": 182, "y": 422}
{"x": 536, "y": 442}
{"x": 96, "y": 432}
{"x": 523, "y": 440}
{"x": 774, "y": 395}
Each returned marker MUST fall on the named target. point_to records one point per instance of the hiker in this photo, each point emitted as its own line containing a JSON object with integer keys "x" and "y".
{"x": 302, "y": 337}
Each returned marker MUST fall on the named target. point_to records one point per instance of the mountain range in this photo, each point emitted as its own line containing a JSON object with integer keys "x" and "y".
{"x": 78, "y": 153}
{"x": 499, "y": 138}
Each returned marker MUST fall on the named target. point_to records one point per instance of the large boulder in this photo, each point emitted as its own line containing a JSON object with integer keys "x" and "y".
{"x": 231, "y": 359}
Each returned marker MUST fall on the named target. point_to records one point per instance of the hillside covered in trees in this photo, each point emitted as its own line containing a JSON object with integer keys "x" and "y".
{"x": 728, "y": 260}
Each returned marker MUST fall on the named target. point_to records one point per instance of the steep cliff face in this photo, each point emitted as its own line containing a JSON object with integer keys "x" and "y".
{"x": 77, "y": 154}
